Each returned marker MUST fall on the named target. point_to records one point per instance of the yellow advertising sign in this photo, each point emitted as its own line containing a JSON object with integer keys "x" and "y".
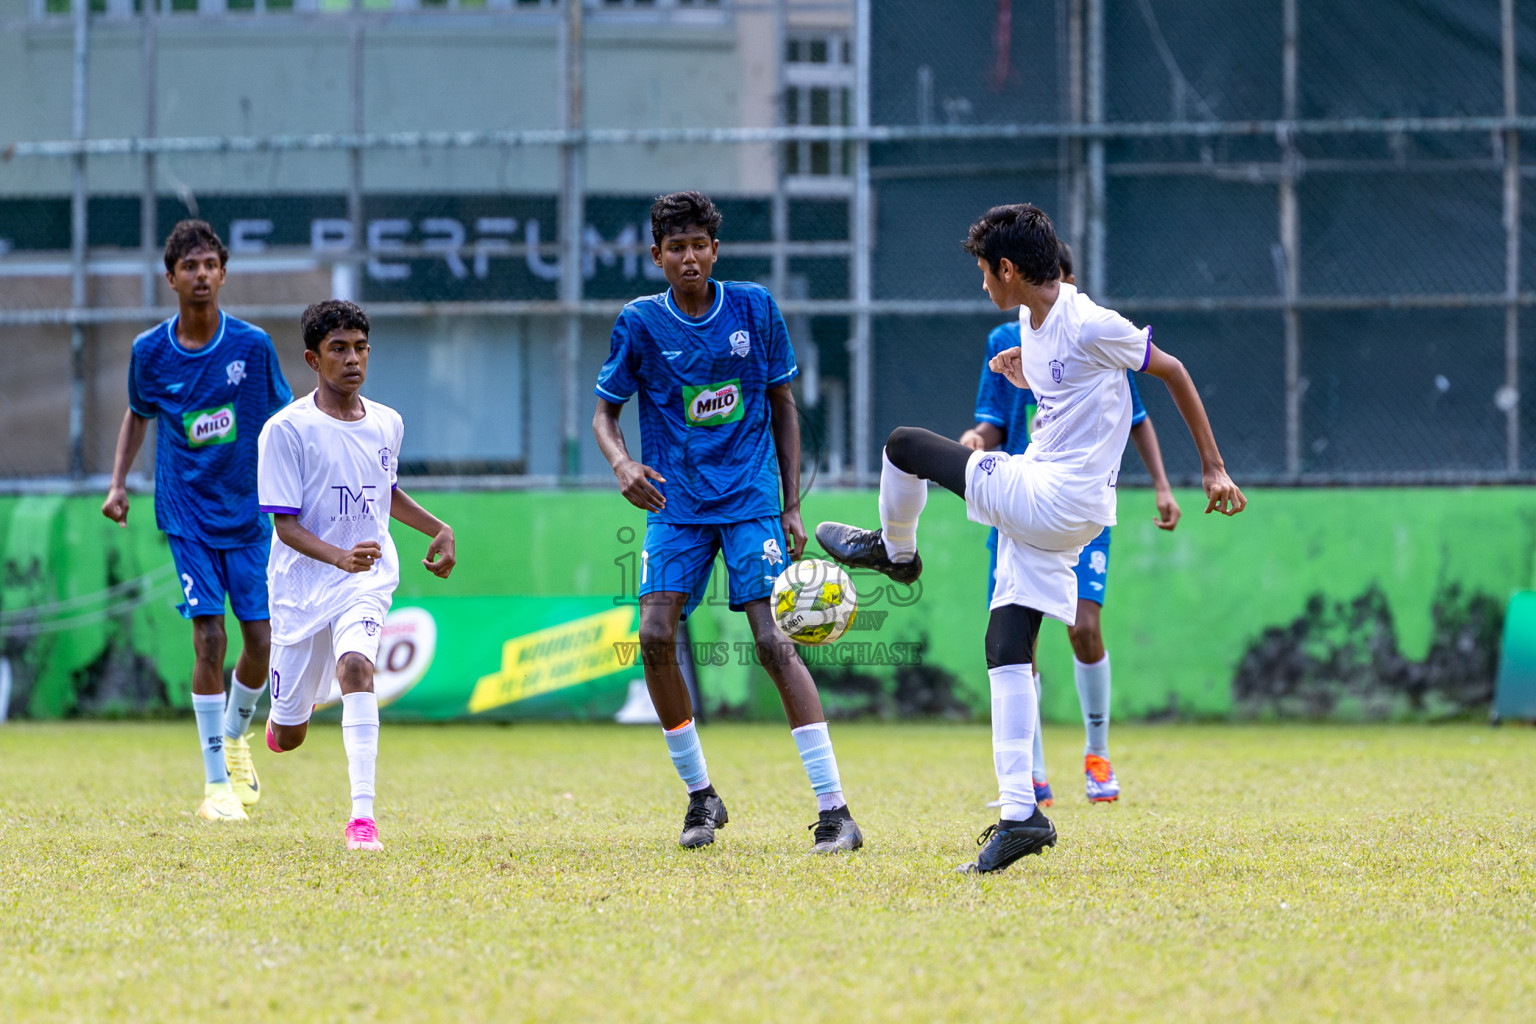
{"x": 556, "y": 657}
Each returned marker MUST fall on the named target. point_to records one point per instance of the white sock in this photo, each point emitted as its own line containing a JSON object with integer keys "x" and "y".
{"x": 1093, "y": 697}
{"x": 902, "y": 497}
{"x": 360, "y": 739}
{"x": 1013, "y": 738}
{"x": 1037, "y": 770}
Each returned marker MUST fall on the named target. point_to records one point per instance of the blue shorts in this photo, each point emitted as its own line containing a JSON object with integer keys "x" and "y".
{"x": 1092, "y": 568}
{"x": 207, "y": 574}
{"x": 677, "y": 558}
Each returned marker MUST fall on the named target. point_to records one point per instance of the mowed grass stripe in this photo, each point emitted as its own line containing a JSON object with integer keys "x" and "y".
{"x": 531, "y": 873}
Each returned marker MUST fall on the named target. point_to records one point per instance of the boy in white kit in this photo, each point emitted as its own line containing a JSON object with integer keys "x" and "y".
{"x": 1046, "y": 503}
{"x": 326, "y": 471}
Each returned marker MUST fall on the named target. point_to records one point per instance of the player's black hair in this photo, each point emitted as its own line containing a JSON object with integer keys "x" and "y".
{"x": 321, "y": 318}
{"x": 1020, "y": 233}
{"x": 680, "y": 211}
{"x": 1064, "y": 257}
{"x": 189, "y": 236}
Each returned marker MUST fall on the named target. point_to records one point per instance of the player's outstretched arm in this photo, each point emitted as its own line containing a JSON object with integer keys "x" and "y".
{"x": 440, "y": 553}
{"x": 1151, "y": 453}
{"x": 130, "y": 438}
{"x": 359, "y": 559}
{"x": 1222, "y": 495}
{"x": 634, "y": 477}
{"x": 784, "y": 419}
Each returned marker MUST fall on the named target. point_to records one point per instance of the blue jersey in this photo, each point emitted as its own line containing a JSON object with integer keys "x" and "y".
{"x": 209, "y": 405}
{"x": 703, "y": 385}
{"x": 1013, "y": 409}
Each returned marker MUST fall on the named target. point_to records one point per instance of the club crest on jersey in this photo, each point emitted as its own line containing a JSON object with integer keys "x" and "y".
{"x": 741, "y": 343}
{"x": 988, "y": 464}
{"x": 235, "y": 371}
{"x": 210, "y": 426}
{"x": 713, "y": 404}
{"x": 772, "y": 553}
{"x": 384, "y": 454}
{"x": 1056, "y": 370}
{"x": 371, "y": 626}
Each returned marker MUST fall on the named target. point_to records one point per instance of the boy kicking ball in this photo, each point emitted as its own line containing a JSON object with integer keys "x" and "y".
{"x": 1046, "y": 503}
{"x": 327, "y": 472}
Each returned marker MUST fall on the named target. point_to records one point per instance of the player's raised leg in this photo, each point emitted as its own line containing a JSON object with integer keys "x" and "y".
{"x": 911, "y": 458}
{"x": 1021, "y": 829}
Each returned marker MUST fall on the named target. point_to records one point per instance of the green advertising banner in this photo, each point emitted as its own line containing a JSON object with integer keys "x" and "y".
{"x": 1335, "y": 603}
{"x": 504, "y": 658}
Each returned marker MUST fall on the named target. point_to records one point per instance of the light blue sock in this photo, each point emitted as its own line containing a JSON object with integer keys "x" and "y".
{"x": 1093, "y": 696}
{"x": 820, "y": 764}
{"x": 241, "y": 705}
{"x": 1038, "y": 769}
{"x": 687, "y": 755}
{"x": 209, "y": 711}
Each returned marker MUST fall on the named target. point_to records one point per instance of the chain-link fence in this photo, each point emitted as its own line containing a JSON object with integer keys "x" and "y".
{"x": 1319, "y": 210}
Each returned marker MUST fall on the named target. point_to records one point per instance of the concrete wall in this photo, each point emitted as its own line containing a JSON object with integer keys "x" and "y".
{"x": 469, "y": 71}
{"x": 288, "y": 74}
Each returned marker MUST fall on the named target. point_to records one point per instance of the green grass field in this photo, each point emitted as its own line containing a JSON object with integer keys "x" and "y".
{"x": 531, "y": 873}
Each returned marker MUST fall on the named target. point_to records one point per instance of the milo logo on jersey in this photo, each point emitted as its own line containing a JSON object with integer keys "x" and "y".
{"x": 713, "y": 404}
{"x": 210, "y": 426}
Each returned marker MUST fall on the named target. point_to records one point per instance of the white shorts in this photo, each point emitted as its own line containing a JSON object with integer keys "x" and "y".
{"x": 302, "y": 673}
{"x": 1038, "y": 543}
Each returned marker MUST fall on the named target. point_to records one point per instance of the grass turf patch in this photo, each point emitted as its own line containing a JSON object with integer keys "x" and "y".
{"x": 532, "y": 873}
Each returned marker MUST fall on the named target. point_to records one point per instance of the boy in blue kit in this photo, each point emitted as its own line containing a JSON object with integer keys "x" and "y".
{"x": 210, "y": 382}
{"x": 1003, "y": 415}
{"x": 719, "y": 435}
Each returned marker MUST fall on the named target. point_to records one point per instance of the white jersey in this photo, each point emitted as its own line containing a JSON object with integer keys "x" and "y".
{"x": 338, "y": 477}
{"x": 1075, "y": 364}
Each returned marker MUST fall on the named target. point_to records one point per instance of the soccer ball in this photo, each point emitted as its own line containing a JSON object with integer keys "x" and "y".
{"x": 814, "y": 602}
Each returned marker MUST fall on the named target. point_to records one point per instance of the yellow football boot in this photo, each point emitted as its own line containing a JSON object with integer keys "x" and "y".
{"x": 221, "y": 804}
{"x": 242, "y": 770}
